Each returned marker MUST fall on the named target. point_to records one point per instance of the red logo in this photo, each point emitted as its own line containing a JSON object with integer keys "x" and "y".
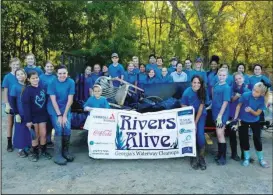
{"x": 112, "y": 116}
{"x": 102, "y": 133}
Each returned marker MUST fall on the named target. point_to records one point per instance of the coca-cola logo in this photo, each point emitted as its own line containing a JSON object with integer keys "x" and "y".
{"x": 102, "y": 133}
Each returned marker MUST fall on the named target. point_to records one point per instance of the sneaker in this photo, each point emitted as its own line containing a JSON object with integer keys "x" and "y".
{"x": 221, "y": 161}
{"x": 202, "y": 163}
{"x": 264, "y": 164}
{"x": 50, "y": 145}
{"x": 34, "y": 157}
{"x": 22, "y": 154}
{"x": 46, "y": 155}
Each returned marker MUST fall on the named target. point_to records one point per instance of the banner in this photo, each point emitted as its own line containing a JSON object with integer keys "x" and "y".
{"x": 120, "y": 134}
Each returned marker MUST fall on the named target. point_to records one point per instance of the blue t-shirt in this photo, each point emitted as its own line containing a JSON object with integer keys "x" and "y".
{"x": 61, "y": 90}
{"x": 246, "y": 79}
{"x": 189, "y": 74}
{"x": 116, "y": 71}
{"x": 255, "y": 79}
{"x": 8, "y": 82}
{"x": 16, "y": 91}
{"x": 136, "y": 70}
{"x": 233, "y": 105}
{"x": 165, "y": 79}
{"x": 248, "y": 100}
{"x": 210, "y": 76}
{"x": 221, "y": 93}
{"x": 130, "y": 77}
{"x": 151, "y": 80}
{"x": 94, "y": 77}
{"x": 141, "y": 79}
{"x": 190, "y": 98}
{"x": 34, "y": 102}
{"x": 37, "y": 69}
{"x": 171, "y": 69}
{"x": 148, "y": 67}
{"x": 97, "y": 103}
{"x": 45, "y": 79}
{"x": 202, "y": 74}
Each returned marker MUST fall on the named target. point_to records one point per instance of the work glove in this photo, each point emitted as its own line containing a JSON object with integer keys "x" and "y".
{"x": 219, "y": 123}
{"x": 7, "y": 108}
{"x": 238, "y": 94}
{"x": 18, "y": 118}
{"x": 234, "y": 124}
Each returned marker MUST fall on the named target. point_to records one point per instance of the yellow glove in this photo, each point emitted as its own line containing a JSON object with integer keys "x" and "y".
{"x": 18, "y": 118}
{"x": 7, "y": 108}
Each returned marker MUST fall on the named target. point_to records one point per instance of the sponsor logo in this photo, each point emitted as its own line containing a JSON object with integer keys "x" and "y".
{"x": 110, "y": 118}
{"x": 186, "y": 150}
{"x": 185, "y": 131}
{"x": 102, "y": 133}
{"x": 186, "y": 121}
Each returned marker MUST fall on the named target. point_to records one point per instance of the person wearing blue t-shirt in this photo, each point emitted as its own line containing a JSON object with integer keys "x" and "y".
{"x": 188, "y": 70}
{"x": 61, "y": 91}
{"x": 172, "y": 67}
{"x": 248, "y": 110}
{"x": 141, "y": 76}
{"x": 221, "y": 95}
{"x": 229, "y": 79}
{"x": 196, "y": 96}
{"x": 95, "y": 75}
{"x": 152, "y": 63}
{"x": 164, "y": 77}
{"x": 130, "y": 76}
{"x": 151, "y": 77}
{"x": 83, "y": 82}
{"x": 116, "y": 70}
{"x": 179, "y": 75}
{"x": 34, "y": 101}
{"x": 242, "y": 69}
{"x": 136, "y": 64}
{"x": 237, "y": 90}
{"x": 214, "y": 61}
{"x": 96, "y": 100}
{"x": 198, "y": 70}
{"x": 45, "y": 80}
{"x": 9, "y": 81}
{"x": 257, "y": 76}
{"x": 21, "y": 136}
{"x": 31, "y": 65}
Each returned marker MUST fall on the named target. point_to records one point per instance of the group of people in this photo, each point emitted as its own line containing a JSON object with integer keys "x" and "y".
{"x": 42, "y": 101}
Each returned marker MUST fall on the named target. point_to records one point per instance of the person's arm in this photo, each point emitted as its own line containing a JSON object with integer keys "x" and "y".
{"x": 6, "y": 100}
{"x": 223, "y": 108}
{"x": 26, "y": 102}
{"x": 237, "y": 111}
{"x": 90, "y": 91}
{"x": 199, "y": 113}
{"x": 253, "y": 112}
{"x": 235, "y": 97}
{"x": 68, "y": 105}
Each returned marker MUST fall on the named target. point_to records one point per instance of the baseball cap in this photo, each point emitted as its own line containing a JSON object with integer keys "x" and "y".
{"x": 198, "y": 59}
{"x": 114, "y": 55}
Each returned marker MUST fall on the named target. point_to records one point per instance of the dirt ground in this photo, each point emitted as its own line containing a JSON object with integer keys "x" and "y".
{"x": 168, "y": 176}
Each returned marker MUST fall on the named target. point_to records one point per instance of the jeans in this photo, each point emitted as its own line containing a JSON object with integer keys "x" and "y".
{"x": 59, "y": 130}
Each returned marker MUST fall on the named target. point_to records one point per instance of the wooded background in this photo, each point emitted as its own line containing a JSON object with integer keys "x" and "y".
{"x": 236, "y": 31}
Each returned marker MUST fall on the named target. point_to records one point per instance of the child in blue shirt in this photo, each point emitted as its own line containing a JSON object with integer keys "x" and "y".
{"x": 34, "y": 101}
{"x": 151, "y": 77}
{"x": 237, "y": 90}
{"x": 152, "y": 63}
{"x": 21, "y": 137}
{"x": 83, "y": 84}
{"x": 229, "y": 79}
{"x": 198, "y": 70}
{"x": 214, "y": 61}
{"x": 130, "y": 76}
{"x": 188, "y": 70}
{"x": 31, "y": 65}
{"x": 172, "y": 67}
{"x": 116, "y": 70}
{"x": 141, "y": 76}
{"x": 96, "y": 74}
{"x": 248, "y": 110}
{"x": 241, "y": 68}
{"x": 221, "y": 95}
{"x": 136, "y": 64}
{"x": 96, "y": 100}
{"x": 257, "y": 76}
{"x": 61, "y": 91}
{"x": 164, "y": 77}
{"x": 196, "y": 96}
{"x": 9, "y": 81}
{"x": 45, "y": 80}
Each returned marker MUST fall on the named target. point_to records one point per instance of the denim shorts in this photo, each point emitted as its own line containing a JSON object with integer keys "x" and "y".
{"x": 59, "y": 130}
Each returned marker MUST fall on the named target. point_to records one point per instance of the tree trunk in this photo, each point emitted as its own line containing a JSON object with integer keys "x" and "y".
{"x": 156, "y": 8}
{"x": 33, "y": 43}
{"x": 172, "y": 24}
{"x": 148, "y": 30}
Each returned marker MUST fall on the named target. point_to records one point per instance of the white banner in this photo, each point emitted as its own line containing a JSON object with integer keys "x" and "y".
{"x": 120, "y": 134}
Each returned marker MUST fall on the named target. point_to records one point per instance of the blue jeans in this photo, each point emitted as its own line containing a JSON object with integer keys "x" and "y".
{"x": 200, "y": 135}
{"x": 59, "y": 130}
